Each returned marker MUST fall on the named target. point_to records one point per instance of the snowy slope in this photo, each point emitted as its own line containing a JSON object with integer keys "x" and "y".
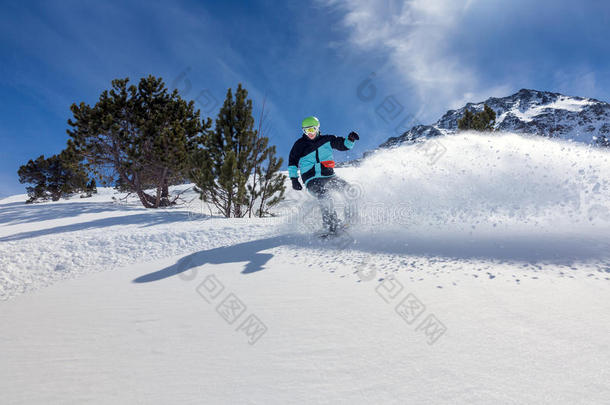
{"x": 500, "y": 245}
{"x": 42, "y": 243}
{"x": 528, "y": 112}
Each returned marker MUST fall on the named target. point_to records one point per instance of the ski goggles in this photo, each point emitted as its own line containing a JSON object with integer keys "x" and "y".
{"x": 311, "y": 130}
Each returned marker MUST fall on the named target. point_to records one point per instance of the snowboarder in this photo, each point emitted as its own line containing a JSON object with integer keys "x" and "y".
{"x": 312, "y": 154}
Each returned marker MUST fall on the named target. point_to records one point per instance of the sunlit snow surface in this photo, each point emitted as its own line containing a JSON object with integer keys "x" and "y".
{"x": 505, "y": 197}
{"x": 477, "y": 271}
{"x": 562, "y": 103}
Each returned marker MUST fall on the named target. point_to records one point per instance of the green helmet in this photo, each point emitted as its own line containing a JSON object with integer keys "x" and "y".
{"x": 310, "y": 122}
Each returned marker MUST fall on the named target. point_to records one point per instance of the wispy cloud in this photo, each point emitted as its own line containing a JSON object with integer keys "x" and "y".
{"x": 417, "y": 38}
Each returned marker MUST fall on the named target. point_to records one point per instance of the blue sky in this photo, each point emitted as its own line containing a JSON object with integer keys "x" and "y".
{"x": 421, "y": 57}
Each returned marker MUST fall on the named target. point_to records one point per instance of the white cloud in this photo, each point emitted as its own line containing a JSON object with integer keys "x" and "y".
{"x": 416, "y": 34}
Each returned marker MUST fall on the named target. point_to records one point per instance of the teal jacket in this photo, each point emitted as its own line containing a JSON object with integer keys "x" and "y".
{"x": 314, "y": 157}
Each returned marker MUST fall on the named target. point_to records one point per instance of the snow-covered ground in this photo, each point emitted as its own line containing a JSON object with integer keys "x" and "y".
{"x": 480, "y": 273}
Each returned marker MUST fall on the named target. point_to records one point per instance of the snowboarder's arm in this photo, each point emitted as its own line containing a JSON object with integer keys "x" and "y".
{"x": 293, "y": 162}
{"x": 340, "y": 143}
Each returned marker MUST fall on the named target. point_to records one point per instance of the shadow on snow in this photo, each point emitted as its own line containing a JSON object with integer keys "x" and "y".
{"x": 20, "y": 213}
{"x": 249, "y": 252}
{"x": 144, "y": 219}
{"x": 532, "y": 249}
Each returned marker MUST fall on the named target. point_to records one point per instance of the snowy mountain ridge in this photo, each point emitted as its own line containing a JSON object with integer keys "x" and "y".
{"x": 544, "y": 113}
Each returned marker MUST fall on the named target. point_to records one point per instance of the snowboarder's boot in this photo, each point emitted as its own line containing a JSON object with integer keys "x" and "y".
{"x": 330, "y": 222}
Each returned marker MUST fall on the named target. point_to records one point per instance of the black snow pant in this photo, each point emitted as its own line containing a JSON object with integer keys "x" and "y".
{"x": 321, "y": 187}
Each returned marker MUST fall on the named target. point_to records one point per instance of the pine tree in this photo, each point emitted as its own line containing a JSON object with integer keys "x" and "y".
{"x": 57, "y": 176}
{"x": 225, "y": 170}
{"x": 34, "y": 172}
{"x": 267, "y": 186}
{"x": 138, "y": 138}
{"x": 271, "y": 183}
{"x": 465, "y": 123}
{"x": 261, "y": 152}
{"x": 482, "y": 121}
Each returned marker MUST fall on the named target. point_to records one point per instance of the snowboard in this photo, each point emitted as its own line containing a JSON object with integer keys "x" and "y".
{"x": 340, "y": 238}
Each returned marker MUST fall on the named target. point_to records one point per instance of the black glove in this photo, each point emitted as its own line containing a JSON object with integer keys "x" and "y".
{"x": 353, "y": 136}
{"x": 295, "y": 183}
